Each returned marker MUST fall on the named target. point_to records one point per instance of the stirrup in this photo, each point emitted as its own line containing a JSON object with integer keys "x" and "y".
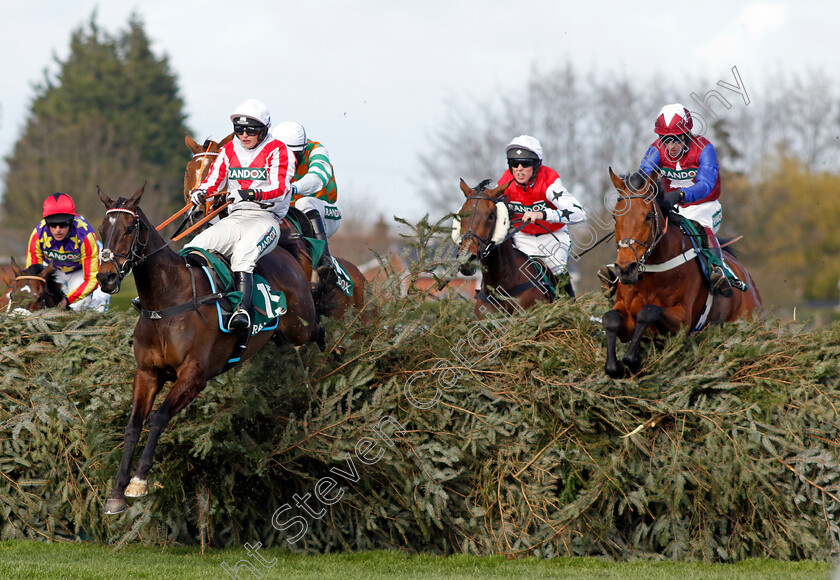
{"x": 239, "y": 321}
{"x": 720, "y": 283}
{"x": 609, "y": 280}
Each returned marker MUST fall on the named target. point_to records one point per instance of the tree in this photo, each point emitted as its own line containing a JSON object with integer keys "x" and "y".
{"x": 111, "y": 116}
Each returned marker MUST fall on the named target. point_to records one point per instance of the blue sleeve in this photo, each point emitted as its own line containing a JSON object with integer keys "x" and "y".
{"x": 707, "y": 174}
{"x": 650, "y": 162}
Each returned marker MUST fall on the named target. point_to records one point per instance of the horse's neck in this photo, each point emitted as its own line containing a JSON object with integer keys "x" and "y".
{"x": 161, "y": 275}
{"x": 500, "y": 266}
{"x": 671, "y": 245}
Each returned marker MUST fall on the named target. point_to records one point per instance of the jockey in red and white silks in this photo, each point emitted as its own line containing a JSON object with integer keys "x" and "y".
{"x": 536, "y": 194}
{"x": 257, "y": 170}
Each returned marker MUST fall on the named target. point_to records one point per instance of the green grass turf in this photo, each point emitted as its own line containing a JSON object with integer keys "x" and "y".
{"x": 35, "y": 560}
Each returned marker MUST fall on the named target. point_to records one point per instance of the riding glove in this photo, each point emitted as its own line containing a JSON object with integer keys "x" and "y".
{"x": 197, "y": 196}
{"x": 245, "y": 195}
{"x": 672, "y": 198}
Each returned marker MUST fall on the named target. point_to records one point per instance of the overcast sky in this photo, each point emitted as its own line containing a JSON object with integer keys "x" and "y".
{"x": 370, "y": 80}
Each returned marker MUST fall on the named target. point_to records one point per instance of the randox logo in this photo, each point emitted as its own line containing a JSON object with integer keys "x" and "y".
{"x": 267, "y": 239}
{"x": 331, "y": 212}
{"x": 521, "y": 208}
{"x": 62, "y": 256}
{"x": 679, "y": 173}
{"x": 248, "y": 173}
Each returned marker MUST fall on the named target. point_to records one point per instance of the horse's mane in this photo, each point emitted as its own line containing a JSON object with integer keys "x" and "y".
{"x": 483, "y": 185}
{"x": 53, "y": 285}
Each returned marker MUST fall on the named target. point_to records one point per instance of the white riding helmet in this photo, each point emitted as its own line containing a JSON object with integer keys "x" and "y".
{"x": 518, "y": 148}
{"x": 292, "y": 134}
{"x": 251, "y": 110}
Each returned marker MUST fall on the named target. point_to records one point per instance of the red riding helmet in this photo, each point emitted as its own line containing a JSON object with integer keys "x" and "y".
{"x": 59, "y": 207}
{"x": 673, "y": 120}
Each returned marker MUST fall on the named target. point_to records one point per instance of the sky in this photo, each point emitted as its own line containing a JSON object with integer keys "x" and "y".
{"x": 372, "y": 80}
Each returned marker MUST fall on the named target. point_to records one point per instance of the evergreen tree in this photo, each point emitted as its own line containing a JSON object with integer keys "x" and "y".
{"x": 111, "y": 116}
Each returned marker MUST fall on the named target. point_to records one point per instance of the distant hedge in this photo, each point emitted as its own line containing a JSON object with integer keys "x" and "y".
{"x": 437, "y": 433}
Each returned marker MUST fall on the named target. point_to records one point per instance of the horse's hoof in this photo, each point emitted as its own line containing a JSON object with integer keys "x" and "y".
{"x": 615, "y": 372}
{"x": 136, "y": 488}
{"x": 115, "y": 505}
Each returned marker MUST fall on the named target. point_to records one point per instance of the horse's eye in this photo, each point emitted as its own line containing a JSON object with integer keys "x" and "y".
{"x": 649, "y": 217}
{"x": 129, "y": 229}
{"x": 492, "y": 217}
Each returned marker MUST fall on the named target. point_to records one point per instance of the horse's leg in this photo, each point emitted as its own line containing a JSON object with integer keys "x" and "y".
{"x": 191, "y": 380}
{"x": 612, "y": 325}
{"x": 648, "y": 315}
{"x": 147, "y": 383}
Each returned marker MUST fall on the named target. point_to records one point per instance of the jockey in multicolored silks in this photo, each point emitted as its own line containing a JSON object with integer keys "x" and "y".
{"x": 689, "y": 165}
{"x": 314, "y": 191}
{"x": 257, "y": 171}
{"x": 537, "y": 195}
{"x": 69, "y": 242}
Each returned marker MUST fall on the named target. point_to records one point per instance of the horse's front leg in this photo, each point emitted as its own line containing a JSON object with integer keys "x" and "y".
{"x": 147, "y": 383}
{"x": 191, "y": 380}
{"x": 649, "y": 315}
{"x": 612, "y": 325}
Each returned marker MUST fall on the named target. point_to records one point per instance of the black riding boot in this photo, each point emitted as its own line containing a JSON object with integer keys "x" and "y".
{"x": 241, "y": 319}
{"x": 324, "y": 267}
{"x": 717, "y": 278}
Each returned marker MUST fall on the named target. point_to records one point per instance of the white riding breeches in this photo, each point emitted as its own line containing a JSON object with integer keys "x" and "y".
{"x": 329, "y": 212}
{"x": 244, "y": 237}
{"x": 552, "y": 248}
{"x": 708, "y": 215}
{"x": 96, "y": 300}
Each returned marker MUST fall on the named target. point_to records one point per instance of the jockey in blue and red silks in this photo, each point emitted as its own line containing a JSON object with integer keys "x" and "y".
{"x": 689, "y": 165}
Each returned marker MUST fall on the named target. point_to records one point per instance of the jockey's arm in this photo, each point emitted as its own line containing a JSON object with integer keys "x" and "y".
{"x": 651, "y": 160}
{"x": 34, "y": 255}
{"x": 280, "y": 174}
{"x": 562, "y": 206}
{"x": 90, "y": 267}
{"x": 707, "y": 174}
{"x": 320, "y": 171}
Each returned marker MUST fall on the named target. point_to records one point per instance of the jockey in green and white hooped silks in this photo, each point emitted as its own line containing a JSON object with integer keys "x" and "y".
{"x": 314, "y": 191}
{"x": 257, "y": 171}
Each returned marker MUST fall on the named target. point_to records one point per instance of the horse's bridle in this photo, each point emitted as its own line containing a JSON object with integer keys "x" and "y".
{"x": 655, "y": 234}
{"x": 484, "y": 246}
{"x": 136, "y": 250}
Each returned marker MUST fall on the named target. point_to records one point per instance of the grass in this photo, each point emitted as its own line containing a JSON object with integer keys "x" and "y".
{"x": 35, "y": 560}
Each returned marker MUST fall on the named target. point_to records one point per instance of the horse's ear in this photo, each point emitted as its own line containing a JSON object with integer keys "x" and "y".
{"x": 48, "y": 270}
{"x": 135, "y": 197}
{"x": 617, "y": 182}
{"x": 15, "y": 268}
{"x": 194, "y": 147}
{"x": 498, "y": 191}
{"x": 104, "y": 197}
{"x": 226, "y": 140}
{"x": 466, "y": 188}
{"x": 6, "y": 274}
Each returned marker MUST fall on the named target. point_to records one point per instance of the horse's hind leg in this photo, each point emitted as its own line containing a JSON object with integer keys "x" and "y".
{"x": 648, "y": 315}
{"x": 146, "y": 385}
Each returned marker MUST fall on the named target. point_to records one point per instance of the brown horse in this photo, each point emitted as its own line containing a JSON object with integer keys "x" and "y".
{"x": 331, "y": 301}
{"x": 661, "y": 285}
{"x": 512, "y": 281}
{"x": 177, "y": 338}
{"x": 31, "y": 289}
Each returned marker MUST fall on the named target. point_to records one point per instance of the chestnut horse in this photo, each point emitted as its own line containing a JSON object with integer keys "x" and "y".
{"x": 330, "y": 301}
{"x": 661, "y": 284}
{"x": 32, "y": 289}
{"x": 183, "y": 342}
{"x": 512, "y": 281}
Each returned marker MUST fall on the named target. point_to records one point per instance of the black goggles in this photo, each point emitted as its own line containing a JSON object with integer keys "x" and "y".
{"x": 513, "y": 163}
{"x": 247, "y": 129}
{"x": 65, "y": 224}
{"x": 668, "y": 139}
